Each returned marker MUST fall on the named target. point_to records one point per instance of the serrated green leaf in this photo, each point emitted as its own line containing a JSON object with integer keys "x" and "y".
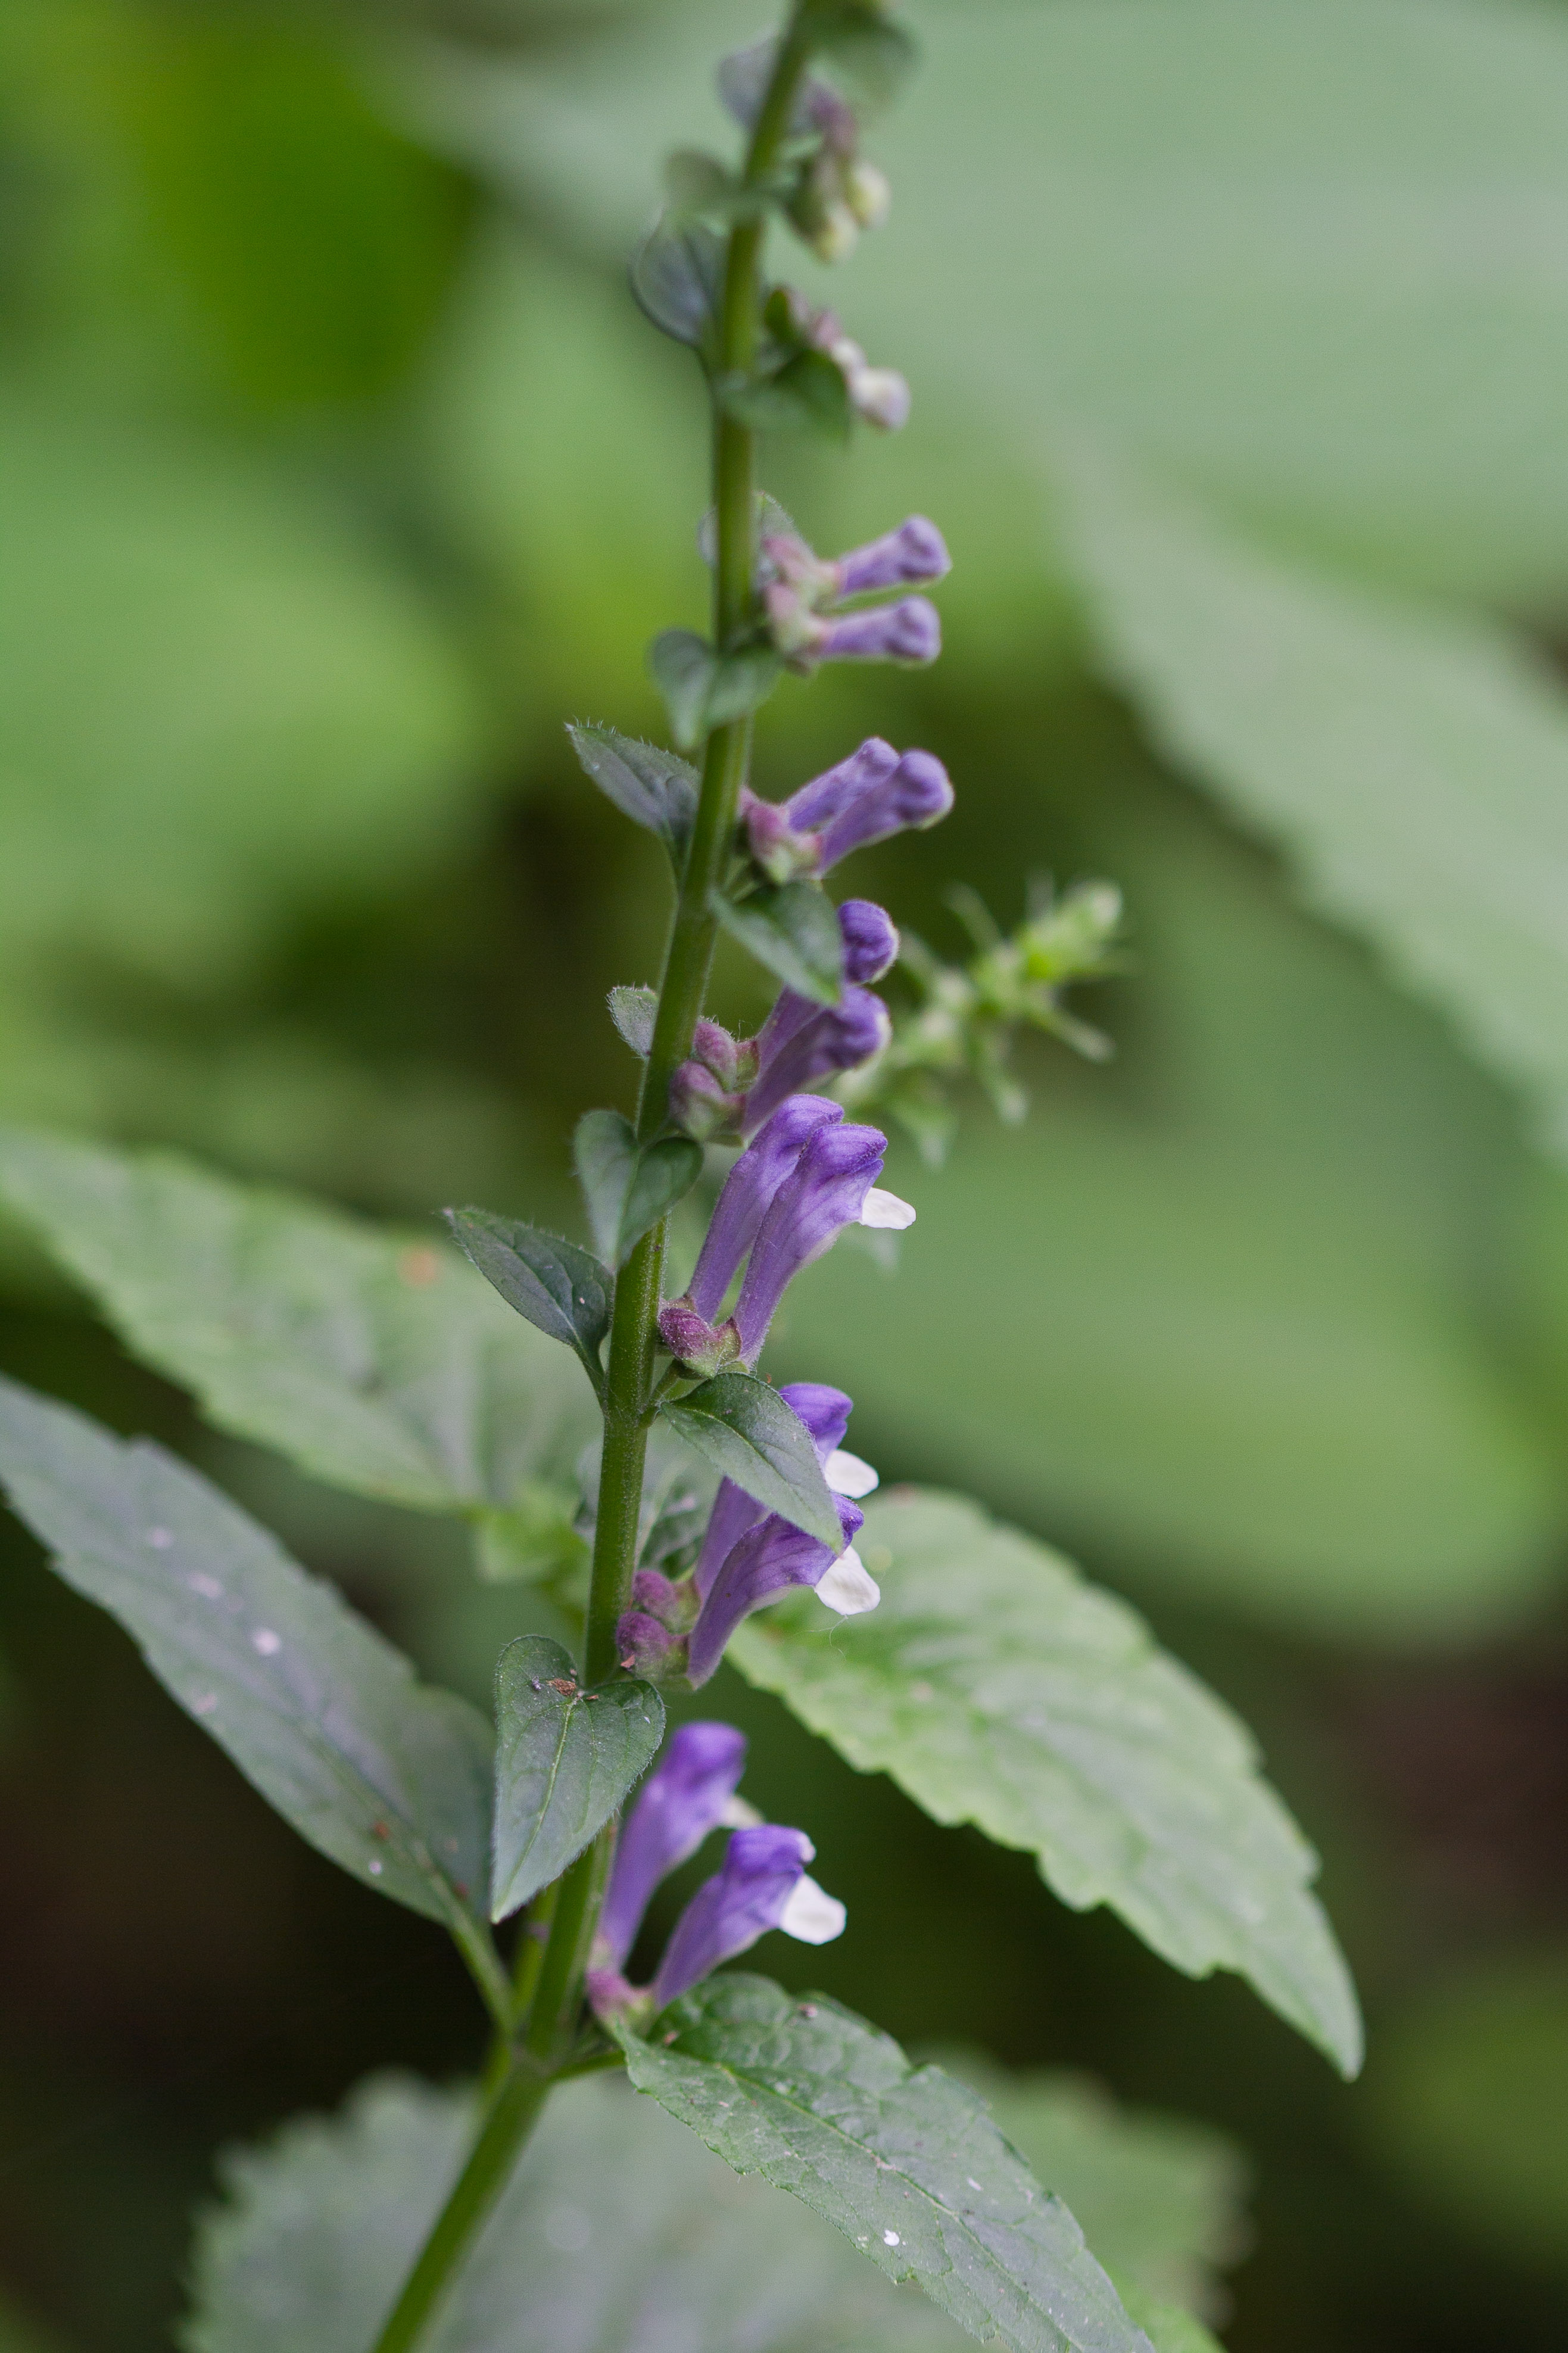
{"x": 618, "y": 2232}
{"x": 561, "y": 1290}
{"x": 744, "y": 1428}
{"x": 627, "y": 1187}
{"x": 1159, "y": 2198}
{"x": 388, "y": 1777}
{"x": 792, "y": 928}
{"x": 654, "y": 788}
{"x": 376, "y": 1362}
{"x": 565, "y": 1760}
{"x": 997, "y": 1688}
{"x": 904, "y": 2161}
{"x": 1413, "y": 764}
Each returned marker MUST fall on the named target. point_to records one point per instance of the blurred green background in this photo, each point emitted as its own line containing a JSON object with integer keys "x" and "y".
{"x": 338, "y": 469}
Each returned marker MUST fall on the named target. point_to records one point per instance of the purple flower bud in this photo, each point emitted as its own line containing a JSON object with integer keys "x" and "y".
{"x": 646, "y": 1648}
{"x": 917, "y": 794}
{"x": 683, "y": 1798}
{"x": 816, "y": 804}
{"x": 732, "y": 1061}
{"x": 700, "y": 1105}
{"x": 826, "y": 1190}
{"x": 768, "y": 1559}
{"x": 881, "y": 395}
{"x": 761, "y": 1871}
{"x": 749, "y": 1189}
{"x": 915, "y": 553}
{"x": 909, "y": 631}
{"x": 657, "y": 1596}
{"x": 825, "y": 1413}
{"x": 832, "y": 1038}
{"x": 870, "y": 939}
{"x": 695, "y": 1343}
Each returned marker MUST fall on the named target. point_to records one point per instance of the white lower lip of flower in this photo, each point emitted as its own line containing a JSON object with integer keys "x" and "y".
{"x": 812, "y": 1916}
{"x": 886, "y": 1210}
{"x": 739, "y": 1814}
{"x": 847, "y": 1476}
{"x": 848, "y": 1586}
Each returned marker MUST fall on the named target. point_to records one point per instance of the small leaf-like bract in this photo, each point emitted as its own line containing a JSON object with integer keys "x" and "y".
{"x": 566, "y": 1759}
{"x": 560, "y": 1288}
{"x": 997, "y": 1688}
{"x": 657, "y": 789}
{"x": 627, "y": 1189}
{"x": 905, "y": 2161}
{"x": 744, "y": 1428}
{"x": 384, "y": 1775}
{"x": 793, "y": 929}
{"x": 676, "y": 276}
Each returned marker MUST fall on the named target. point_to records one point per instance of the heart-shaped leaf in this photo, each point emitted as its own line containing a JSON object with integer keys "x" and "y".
{"x": 744, "y": 1429}
{"x": 566, "y": 1759}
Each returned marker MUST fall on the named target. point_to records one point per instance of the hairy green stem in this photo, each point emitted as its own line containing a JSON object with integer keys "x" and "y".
{"x": 542, "y": 2024}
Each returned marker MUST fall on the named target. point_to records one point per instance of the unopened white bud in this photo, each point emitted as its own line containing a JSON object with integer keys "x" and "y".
{"x": 867, "y": 195}
{"x": 881, "y": 397}
{"x": 836, "y": 235}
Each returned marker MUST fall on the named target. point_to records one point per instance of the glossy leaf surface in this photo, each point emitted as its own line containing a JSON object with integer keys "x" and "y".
{"x": 376, "y": 1362}
{"x": 793, "y": 930}
{"x": 904, "y": 2161}
{"x": 741, "y": 1425}
{"x": 388, "y": 1777}
{"x": 559, "y": 1288}
{"x": 998, "y": 1688}
{"x": 566, "y": 1759}
{"x": 629, "y": 1189}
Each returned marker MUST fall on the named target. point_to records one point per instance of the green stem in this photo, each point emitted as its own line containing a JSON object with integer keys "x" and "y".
{"x": 507, "y": 2121}
{"x": 546, "y": 2031}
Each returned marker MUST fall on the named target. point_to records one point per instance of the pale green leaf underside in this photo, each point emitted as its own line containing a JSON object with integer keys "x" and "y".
{"x": 998, "y": 1688}
{"x": 314, "y": 2237}
{"x": 1414, "y": 764}
{"x": 904, "y": 2161}
{"x": 379, "y": 1363}
{"x": 619, "y": 2233}
{"x": 386, "y": 1777}
{"x": 566, "y": 1759}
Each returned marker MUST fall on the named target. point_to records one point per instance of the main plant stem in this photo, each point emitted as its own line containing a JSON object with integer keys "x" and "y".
{"x": 542, "y": 2030}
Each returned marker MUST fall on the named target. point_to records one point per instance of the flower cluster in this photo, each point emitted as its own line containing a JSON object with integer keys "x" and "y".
{"x": 678, "y": 1627}
{"x": 802, "y": 596}
{"x": 834, "y": 193}
{"x": 762, "y": 1884}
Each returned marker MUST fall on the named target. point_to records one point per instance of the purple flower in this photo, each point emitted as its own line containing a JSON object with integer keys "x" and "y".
{"x": 701, "y": 1106}
{"x": 865, "y": 798}
{"x": 759, "y": 1888}
{"x": 684, "y": 1798}
{"x": 766, "y": 1560}
{"x": 749, "y": 1189}
{"x": 870, "y": 940}
{"x": 825, "y": 1413}
{"x": 830, "y": 1038}
{"x": 914, "y": 553}
{"x": 908, "y": 632}
{"x": 762, "y": 1884}
{"x": 825, "y": 1191}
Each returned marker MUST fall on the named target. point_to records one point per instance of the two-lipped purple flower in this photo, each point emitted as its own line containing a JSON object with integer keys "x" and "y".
{"x": 750, "y": 1556}
{"x": 804, "y": 595}
{"x": 762, "y": 1884}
